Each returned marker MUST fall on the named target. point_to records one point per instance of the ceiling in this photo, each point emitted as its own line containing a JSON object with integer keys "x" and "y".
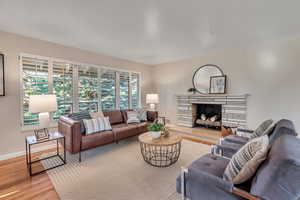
{"x": 151, "y": 31}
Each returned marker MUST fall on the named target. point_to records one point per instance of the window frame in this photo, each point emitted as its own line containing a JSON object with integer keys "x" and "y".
{"x": 75, "y": 89}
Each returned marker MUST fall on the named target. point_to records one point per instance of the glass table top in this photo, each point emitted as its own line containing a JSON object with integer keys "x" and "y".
{"x": 52, "y": 136}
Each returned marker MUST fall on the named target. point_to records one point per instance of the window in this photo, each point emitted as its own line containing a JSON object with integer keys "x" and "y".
{"x": 108, "y": 90}
{"x": 78, "y": 87}
{"x": 63, "y": 88}
{"x": 87, "y": 88}
{"x": 35, "y": 81}
{"x": 124, "y": 90}
{"x": 135, "y": 92}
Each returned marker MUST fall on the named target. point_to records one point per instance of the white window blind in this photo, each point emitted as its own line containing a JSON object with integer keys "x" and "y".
{"x": 63, "y": 87}
{"x": 135, "y": 90}
{"x": 35, "y": 81}
{"x": 124, "y": 90}
{"x": 78, "y": 87}
{"x": 108, "y": 90}
{"x": 87, "y": 88}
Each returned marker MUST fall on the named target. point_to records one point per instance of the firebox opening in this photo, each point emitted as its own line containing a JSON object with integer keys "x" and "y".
{"x": 208, "y": 115}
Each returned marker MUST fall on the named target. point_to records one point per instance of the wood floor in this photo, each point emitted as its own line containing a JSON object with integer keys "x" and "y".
{"x": 202, "y": 135}
{"x": 15, "y": 183}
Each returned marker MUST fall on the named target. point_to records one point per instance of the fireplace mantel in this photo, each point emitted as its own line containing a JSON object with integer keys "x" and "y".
{"x": 234, "y": 108}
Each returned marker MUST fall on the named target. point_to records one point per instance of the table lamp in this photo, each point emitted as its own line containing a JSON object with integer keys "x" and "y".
{"x": 152, "y": 99}
{"x": 42, "y": 104}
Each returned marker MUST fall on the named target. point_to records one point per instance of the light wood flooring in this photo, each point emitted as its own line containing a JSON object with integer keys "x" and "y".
{"x": 202, "y": 135}
{"x": 15, "y": 182}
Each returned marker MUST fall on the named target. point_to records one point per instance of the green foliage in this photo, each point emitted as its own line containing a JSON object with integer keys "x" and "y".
{"x": 155, "y": 127}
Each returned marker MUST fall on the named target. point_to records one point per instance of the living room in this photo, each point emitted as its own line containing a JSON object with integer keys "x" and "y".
{"x": 142, "y": 72}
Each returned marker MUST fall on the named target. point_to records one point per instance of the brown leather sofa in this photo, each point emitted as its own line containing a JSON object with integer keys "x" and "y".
{"x": 77, "y": 142}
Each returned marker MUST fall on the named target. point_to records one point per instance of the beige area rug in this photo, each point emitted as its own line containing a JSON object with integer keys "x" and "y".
{"x": 118, "y": 172}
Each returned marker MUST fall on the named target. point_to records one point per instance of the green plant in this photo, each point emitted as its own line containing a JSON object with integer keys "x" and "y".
{"x": 155, "y": 127}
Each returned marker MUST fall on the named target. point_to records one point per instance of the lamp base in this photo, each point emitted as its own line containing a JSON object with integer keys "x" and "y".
{"x": 152, "y": 106}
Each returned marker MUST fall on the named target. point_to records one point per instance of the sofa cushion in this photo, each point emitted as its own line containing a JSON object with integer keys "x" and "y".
{"x": 228, "y": 149}
{"x": 124, "y": 130}
{"x": 142, "y": 127}
{"x": 245, "y": 162}
{"x": 95, "y": 115}
{"x": 283, "y": 127}
{"x": 132, "y": 117}
{"x": 97, "y": 139}
{"x": 279, "y": 176}
{"x": 115, "y": 116}
{"x": 96, "y": 125}
{"x": 79, "y": 117}
{"x": 236, "y": 139}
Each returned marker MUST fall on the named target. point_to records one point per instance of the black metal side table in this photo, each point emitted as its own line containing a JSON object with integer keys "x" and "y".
{"x": 32, "y": 140}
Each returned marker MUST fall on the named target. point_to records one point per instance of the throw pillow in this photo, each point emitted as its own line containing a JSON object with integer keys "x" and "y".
{"x": 132, "y": 117}
{"x": 95, "y": 115}
{"x": 245, "y": 162}
{"x": 261, "y": 129}
{"x": 142, "y": 114}
{"x": 79, "y": 117}
{"x": 97, "y": 125}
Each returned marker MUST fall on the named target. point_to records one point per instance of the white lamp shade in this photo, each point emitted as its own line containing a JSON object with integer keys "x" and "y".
{"x": 152, "y": 98}
{"x": 42, "y": 103}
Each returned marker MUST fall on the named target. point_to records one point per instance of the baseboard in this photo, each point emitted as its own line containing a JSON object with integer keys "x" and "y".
{"x": 22, "y": 153}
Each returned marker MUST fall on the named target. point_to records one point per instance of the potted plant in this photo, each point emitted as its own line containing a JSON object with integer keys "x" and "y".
{"x": 155, "y": 129}
{"x": 193, "y": 90}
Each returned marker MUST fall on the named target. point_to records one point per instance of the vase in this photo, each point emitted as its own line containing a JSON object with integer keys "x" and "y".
{"x": 155, "y": 134}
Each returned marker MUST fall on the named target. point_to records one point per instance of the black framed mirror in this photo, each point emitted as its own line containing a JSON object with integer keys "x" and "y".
{"x": 202, "y": 77}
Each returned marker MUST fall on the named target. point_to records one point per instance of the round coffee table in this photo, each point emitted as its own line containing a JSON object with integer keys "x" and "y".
{"x": 161, "y": 152}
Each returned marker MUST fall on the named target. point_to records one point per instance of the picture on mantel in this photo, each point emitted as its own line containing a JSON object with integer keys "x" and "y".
{"x": 217, "y": 84}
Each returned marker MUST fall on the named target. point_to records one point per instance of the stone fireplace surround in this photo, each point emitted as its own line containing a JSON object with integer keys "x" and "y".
{"x": 234, "y": 108}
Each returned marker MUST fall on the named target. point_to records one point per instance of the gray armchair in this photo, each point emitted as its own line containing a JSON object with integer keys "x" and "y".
{"x": 277, "y": 178}
{"x": 229, "y": 148}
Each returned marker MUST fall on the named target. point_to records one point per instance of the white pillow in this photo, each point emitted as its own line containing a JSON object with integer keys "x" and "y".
{"x": 95, "y": 115}
{"x": 96, "y": 125}
{"x": 132, "y": 117}
{"x": 142, "y": 114}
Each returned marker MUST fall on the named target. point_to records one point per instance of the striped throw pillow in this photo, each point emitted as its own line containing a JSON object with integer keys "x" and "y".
{"x": 142, "y": 114}
{"x": 96, "y": 125}
{"x": 245, "y": 162}
{"x": 261, "y": 129}
{"x": 79, "y": 117}
{"x": 132, "y": 117}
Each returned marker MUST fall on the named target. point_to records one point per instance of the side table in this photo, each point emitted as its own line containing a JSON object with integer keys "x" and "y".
{"x": 32, "y": 140}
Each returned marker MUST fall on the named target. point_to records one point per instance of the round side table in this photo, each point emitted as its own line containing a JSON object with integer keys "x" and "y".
{"x": 161, "y": 152}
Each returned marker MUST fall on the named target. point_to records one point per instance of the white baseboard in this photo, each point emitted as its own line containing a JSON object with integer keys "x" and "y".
{"x": 22, "y": 153}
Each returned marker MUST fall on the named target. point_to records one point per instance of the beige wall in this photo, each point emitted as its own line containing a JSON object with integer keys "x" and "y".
{"x": 12, "y": 139}
{"x": 270, "y": 73}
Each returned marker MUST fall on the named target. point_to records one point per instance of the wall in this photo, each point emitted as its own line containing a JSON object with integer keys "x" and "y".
{"x": 12, "y": 139}
{"x": 269, "y": 72}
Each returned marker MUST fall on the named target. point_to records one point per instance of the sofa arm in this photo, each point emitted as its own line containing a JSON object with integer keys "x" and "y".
{"x": 71, "y": 130}
{"x": 152, "y": 115}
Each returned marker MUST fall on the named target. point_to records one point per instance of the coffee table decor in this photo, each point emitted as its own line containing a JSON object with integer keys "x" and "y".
{"x": 160, "y": 152}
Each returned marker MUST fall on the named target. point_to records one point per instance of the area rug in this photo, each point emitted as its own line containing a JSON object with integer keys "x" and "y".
{"x": 118, "y": 172}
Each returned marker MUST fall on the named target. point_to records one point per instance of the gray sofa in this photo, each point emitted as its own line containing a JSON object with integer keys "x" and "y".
{"x": 277, "y": 178}
{"x": 228, "y": 148}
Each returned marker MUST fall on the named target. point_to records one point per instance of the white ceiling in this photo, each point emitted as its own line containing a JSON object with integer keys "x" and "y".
{"x": 151, "y": 31}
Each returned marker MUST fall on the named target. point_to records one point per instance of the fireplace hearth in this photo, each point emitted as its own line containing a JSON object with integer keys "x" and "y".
{"x": 207, "y": 115}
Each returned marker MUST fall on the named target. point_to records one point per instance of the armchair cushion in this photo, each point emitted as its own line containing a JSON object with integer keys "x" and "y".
{"x": 204, "y": 179}
{"x": 236, "y": 139}
{"x": 262, "y": 128}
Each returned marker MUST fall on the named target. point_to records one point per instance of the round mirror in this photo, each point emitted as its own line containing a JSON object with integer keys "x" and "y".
{"x": 201, "y": 78}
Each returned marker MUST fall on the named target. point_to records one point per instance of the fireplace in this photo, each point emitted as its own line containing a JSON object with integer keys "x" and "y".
{"x": 207, "y": 115}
